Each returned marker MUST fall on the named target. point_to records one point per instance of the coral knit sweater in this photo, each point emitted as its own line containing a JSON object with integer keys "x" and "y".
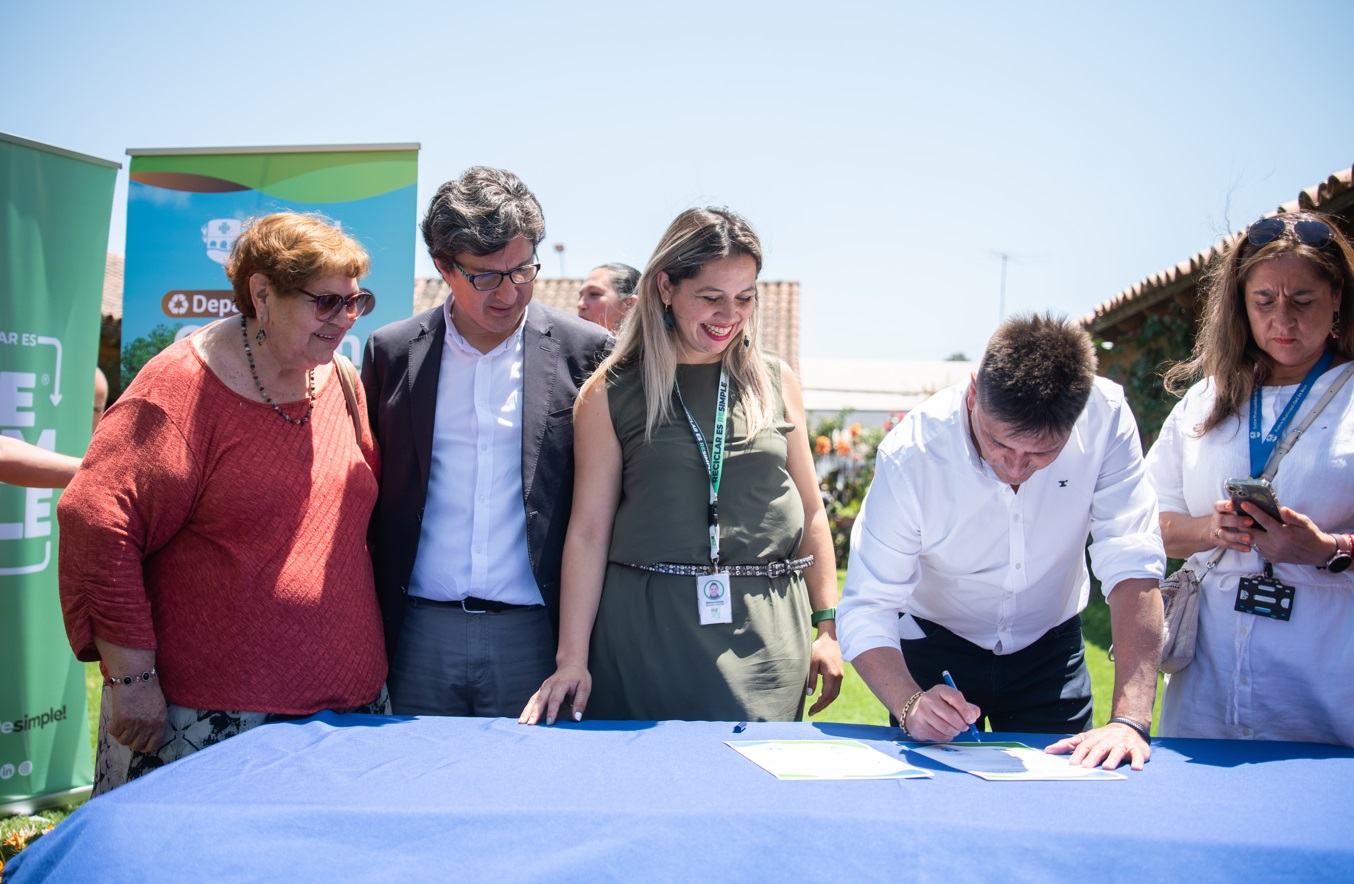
{"x": 204, "y": 526}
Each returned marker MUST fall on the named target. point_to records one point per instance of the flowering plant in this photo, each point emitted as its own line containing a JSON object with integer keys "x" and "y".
{"x": 844, "y": 459}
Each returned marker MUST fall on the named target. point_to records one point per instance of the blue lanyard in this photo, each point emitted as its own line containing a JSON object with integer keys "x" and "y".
{"x": 713, "y": 454}
{"x": 1262, "y": 445}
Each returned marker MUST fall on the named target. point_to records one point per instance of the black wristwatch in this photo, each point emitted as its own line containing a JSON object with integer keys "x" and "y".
{"x": 1344, "y": 545}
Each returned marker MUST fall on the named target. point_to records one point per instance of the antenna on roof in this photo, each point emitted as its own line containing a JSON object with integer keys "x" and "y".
{"x": 559, "y": 249}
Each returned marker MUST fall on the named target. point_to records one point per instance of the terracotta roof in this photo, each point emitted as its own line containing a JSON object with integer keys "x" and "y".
{"x": 780, "y": 319}
{"x": 1333, "y": 195}
{"x": 112, "y": 286}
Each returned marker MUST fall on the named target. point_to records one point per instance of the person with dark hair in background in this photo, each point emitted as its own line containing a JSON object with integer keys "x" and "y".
{"x": 970, "y": 547}
{"x": 1275, "y": 341}
{"x": 608, "y": 294}
{"x": 214, "y": 542}
{"x": 472, "y": 403}
{"x": 698, "y": 558}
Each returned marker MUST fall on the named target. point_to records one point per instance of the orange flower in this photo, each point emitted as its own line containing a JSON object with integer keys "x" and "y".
{"x": 855, "y": 431}
{"x": 843, "y": 446}
{"x": 822, "y": 445}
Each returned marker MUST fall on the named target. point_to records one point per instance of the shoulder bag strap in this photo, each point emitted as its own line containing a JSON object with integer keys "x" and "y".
{"x": 347, "y": 373}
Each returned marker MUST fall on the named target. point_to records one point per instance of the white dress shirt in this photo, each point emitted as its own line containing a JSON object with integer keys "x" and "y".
{"x": 940, "y": 537}
{"x": 1252, "y": 677}
{"x": 473, "y": 541}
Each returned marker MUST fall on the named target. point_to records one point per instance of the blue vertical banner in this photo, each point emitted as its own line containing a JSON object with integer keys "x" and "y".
{"x": 186, "y": 207}
{"x": 55, "y": 208}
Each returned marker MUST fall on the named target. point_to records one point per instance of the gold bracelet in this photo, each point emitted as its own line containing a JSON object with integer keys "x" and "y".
{"x": 907, "y": 708}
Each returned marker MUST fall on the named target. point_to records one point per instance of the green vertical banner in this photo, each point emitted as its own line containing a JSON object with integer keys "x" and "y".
{"x": 55, "y": 208}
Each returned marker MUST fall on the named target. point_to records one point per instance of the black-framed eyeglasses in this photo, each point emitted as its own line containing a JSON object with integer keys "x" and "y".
{"x": 1309, "y": 232}
{"x": 328, "y": 305}
{"x": 487, "y": 282}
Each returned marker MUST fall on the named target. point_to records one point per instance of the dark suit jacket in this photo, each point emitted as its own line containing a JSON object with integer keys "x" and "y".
{"x": 399, "y": 371}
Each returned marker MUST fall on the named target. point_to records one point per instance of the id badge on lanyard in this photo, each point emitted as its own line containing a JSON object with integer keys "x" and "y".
{"x": 714, "y": 598}
{"x": 1264, "y": 595}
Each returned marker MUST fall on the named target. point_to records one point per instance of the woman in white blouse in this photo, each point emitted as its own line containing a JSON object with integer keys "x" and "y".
{"x": 1277, "y": 333}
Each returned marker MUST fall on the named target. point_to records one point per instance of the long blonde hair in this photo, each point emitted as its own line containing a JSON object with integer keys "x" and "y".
{"x": 694, "y": 239}
{"x": 1225, "y": 349}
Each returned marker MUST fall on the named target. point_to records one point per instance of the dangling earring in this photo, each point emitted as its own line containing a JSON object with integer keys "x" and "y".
{"x": 261, "y": 336}
{"x": 747, "y": 341}
{"x": 1335, "y": 326}
{"x": 668, "y": 321}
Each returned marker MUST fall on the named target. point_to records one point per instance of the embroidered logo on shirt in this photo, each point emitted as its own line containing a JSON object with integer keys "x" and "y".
{"x": 1062, "y": 483}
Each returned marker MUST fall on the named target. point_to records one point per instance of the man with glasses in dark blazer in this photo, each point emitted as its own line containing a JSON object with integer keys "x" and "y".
{"x": 472, "y": 404}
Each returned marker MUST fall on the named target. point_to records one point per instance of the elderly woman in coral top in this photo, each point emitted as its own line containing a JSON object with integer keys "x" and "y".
{"x": 213, "y": 549}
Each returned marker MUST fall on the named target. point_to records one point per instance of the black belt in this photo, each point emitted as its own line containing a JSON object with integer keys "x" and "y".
{"x": 472, "y": 605}
{"x": 769, "y": 569}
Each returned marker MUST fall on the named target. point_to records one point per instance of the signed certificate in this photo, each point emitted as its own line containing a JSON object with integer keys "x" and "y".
{"x": 1009, "y": 761}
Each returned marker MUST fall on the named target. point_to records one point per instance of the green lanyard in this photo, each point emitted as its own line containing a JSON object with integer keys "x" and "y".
{"x": 712, "y": 454}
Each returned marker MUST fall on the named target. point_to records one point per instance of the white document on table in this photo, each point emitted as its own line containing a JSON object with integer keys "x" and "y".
{"x": 1009, "y": 761}
{"x": 824, "y": 760}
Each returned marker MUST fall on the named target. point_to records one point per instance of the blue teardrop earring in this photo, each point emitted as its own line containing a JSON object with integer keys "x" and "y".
{"x": 668, "y": 321}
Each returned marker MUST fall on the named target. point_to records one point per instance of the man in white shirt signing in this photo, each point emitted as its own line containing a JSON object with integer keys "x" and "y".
{"x": 969, "y": 553}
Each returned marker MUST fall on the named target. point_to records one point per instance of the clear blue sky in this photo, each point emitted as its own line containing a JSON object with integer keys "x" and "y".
{"x": 884, "y": 151}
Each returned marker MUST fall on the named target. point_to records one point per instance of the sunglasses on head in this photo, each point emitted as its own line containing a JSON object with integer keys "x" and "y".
{"x": 328, "y": 305}
{"x": 1316, "y": 234}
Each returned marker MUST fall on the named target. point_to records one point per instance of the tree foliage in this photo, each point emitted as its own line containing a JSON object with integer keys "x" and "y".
{"x": 1162, "y": 339}
{"x": 137, "y": 353}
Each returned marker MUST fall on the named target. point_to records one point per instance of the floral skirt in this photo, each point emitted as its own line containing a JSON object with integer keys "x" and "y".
{"x": 186, "y": 731}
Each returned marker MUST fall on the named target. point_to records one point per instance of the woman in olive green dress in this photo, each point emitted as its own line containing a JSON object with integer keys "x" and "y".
{"x": 698, "y": 552}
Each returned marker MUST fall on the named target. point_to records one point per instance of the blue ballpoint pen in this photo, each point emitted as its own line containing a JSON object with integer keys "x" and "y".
{"x": 950, "y": 681}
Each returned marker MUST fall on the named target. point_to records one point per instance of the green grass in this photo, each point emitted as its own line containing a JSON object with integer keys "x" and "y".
{"x": 1095, "y": 629}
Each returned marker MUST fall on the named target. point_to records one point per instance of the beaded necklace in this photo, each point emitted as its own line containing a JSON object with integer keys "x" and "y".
{"x": 310, "y": 380}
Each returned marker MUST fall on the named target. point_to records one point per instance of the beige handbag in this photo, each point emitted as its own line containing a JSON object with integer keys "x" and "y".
{"x": 1180, "y": 621}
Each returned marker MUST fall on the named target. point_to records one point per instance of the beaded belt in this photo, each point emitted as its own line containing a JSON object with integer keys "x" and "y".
{"x": 770, "y": 569}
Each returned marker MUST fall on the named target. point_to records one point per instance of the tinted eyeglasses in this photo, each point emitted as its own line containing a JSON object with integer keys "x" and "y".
{"x": 1309, "y": 232}
{"x": 328, "y": 305}
{"x": 487, "y": 282}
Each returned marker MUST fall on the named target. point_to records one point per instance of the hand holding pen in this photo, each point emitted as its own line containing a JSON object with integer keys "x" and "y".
{"x": 973, "y": 731}
{"x": 938, "y": 715}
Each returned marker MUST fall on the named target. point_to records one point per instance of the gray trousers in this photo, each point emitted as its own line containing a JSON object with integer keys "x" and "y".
{"x": 450, "y": 662}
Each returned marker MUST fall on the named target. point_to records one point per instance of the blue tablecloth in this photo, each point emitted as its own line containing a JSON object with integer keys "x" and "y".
{"x": 334, "y": 798}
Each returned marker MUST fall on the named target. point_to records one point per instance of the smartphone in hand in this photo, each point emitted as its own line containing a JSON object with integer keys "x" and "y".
{"x": 1256, "y": 491}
